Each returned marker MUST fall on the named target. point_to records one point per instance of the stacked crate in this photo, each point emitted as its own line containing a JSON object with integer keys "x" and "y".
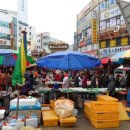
{"x": 50, "y": 118}
{"x": 102, "y": 114}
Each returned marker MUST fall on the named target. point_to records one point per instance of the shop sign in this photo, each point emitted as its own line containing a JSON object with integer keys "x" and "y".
{"x": 94, "y": 31}
{"x": 113, "y": 43}
{"x": 124, "y": 41}
{"x": 113, "y": 22}
{"x": 103, "y": 44}
{"x": 108, "y": 52}
{"x": 57, "y": 46}
{"x": 110, "y": 13}
{"x": 103, "y": 5}
{"x": 102, "y": 25}
{"x": 94, "y": 14}
{"x": 81, "y": 44}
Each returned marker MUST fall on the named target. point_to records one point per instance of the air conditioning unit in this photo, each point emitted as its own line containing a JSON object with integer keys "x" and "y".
{"x": 116, "y": 29}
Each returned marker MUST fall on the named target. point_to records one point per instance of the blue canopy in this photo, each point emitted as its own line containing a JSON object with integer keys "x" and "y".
{"x": 6, "y": 57}
{"x": 68, "y": 60}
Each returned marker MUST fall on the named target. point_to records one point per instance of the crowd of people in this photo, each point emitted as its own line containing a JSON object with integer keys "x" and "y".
{"x": 67, "y": 78}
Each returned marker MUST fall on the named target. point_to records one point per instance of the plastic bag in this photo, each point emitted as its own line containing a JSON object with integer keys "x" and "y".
{"x": 64, "y": 108}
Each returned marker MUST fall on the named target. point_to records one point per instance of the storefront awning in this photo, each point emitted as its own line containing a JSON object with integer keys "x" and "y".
{"x": 105, "y": 60}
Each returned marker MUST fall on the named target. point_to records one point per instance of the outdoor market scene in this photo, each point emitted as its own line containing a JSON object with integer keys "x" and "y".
{"x": 80, "y": 82}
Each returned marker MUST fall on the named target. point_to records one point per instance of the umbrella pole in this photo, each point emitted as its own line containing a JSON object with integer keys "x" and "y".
{"x": 6, "y": 101}
{"x": 17, "y": 104}
{"x": 68, "y": 86}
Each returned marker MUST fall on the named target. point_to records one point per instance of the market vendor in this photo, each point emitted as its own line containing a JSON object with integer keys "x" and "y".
{"x": 65, "y": 83}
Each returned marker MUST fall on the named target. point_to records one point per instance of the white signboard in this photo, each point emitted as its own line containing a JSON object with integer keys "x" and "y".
{"x": 110, "y": 13}
{"x": 102, "y": 25}
{"x": 122, "y": 20}
{"x": 108, "y": 52}
{"x": 112, "y": 22}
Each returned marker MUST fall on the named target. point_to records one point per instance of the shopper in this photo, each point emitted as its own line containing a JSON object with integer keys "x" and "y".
{"x": 111, "y": 85}
{"x": 76, "y": 80}
{"x": 65, "y": 83}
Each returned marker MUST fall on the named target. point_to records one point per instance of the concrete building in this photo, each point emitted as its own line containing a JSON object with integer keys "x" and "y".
{"x": 43, "y": 40}
{"x": 101, "y": 29}
{"x": 8, "y": 29}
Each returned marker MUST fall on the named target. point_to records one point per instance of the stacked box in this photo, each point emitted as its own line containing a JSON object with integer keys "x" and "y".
{"x": 49, "y": 118}
{"x": 102, "y": 114}
{"x": 70, "y": 121}
{"x": 106, "y": 98}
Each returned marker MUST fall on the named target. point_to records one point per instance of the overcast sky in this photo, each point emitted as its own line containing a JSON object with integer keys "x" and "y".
{"x": 55, "y": 16}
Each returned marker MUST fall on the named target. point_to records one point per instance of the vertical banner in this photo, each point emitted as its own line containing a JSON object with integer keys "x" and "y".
{"x": 94, "y": 27}
{"x": 94, "y": 31}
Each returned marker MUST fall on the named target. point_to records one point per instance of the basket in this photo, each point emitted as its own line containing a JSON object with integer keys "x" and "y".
{"x": 70, "y": 121}
{"x": 49, "y": 118}
{"x": 106, "y": 98}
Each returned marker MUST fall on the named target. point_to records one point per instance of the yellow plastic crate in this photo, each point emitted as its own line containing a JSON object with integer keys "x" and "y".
{"x": 105, "y": 106}
{"x": 49, "y": 118}
{"x": 105, "y": 115}
{"x": 70, "y": 121}
{"x": 87, "y": 105}
{"x": 52, "y": 102}
{"x": 105, "y": 124}
{"x": 87, "y": 115}
{"x": 106, "y": 98}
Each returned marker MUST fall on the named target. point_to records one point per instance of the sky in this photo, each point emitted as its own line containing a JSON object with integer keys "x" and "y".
{"x": 55, "y": 16}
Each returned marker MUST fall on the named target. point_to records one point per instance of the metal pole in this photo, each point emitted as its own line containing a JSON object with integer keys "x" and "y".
{"x": 17, "y": 104}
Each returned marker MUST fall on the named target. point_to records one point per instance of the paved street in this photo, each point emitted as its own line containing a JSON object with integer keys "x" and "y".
{"x": 84, "y": 124}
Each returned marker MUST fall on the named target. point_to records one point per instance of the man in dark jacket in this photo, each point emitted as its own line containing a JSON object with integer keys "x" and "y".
{"x": 111, "y": 85}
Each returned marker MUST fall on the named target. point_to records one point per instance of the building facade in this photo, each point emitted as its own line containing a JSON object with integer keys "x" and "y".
{"x": 101, "y": 29}
{"x": 8, "y": 29}
{"x": 44, "y": 43}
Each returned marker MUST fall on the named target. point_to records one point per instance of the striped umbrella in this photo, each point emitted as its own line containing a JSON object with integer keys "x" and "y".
{"x": 121, "y": 57}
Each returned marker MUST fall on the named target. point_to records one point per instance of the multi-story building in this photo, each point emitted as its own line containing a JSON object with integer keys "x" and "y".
{"x": 8, "y": 29}
{"x": 44, "y": 40}
{"x": 87, "y": 28}
{"x": 101, "y": 29}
